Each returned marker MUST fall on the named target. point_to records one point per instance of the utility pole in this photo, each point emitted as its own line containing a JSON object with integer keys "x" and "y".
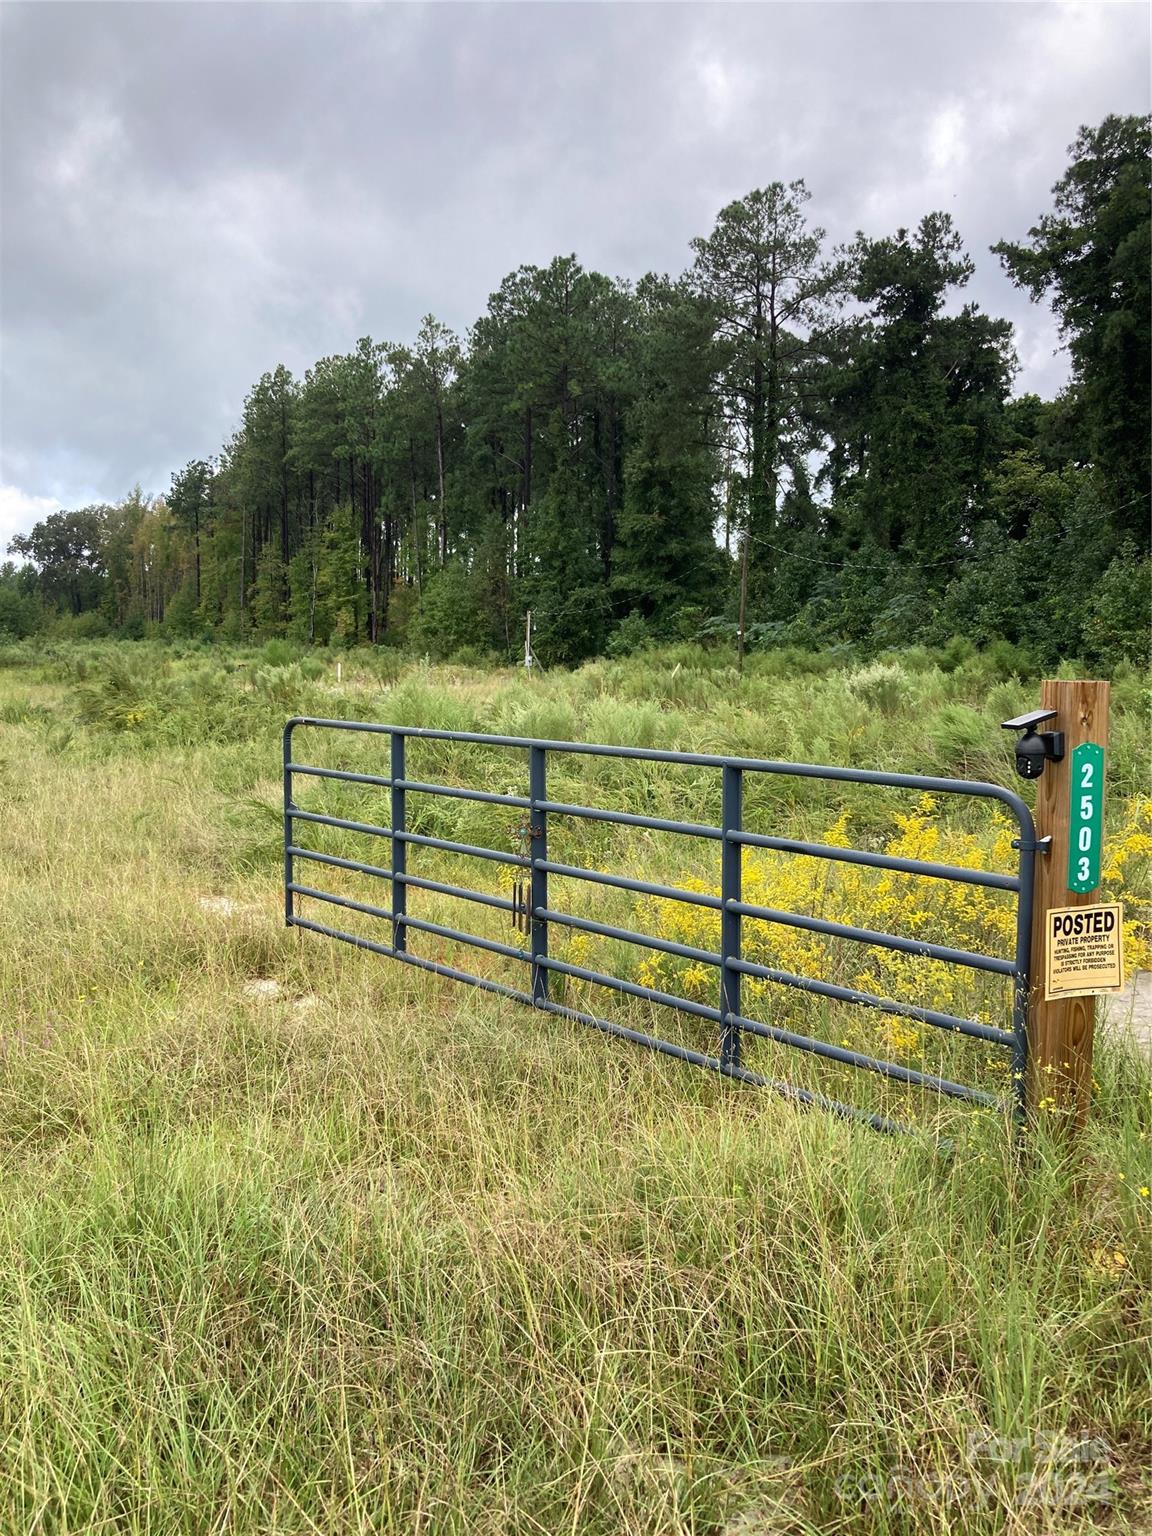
{"x": 743, "y": 603}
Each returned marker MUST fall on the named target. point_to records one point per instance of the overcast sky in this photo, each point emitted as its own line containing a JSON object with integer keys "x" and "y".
{"x": 192, "y": 193}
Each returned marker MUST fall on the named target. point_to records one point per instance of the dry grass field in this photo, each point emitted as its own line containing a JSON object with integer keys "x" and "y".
{"x": 297, "y": 1240}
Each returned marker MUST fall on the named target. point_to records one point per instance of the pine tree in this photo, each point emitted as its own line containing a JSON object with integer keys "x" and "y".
{"x": 1092, "y": 258}
{"x": 776, "y": 298}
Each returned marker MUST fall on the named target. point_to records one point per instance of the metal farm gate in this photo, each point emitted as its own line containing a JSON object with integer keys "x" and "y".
{"x": 532, "y": 911}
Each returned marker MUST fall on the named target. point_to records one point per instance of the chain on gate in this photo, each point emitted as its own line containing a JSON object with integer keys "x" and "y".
{"x": 522, "y": 834}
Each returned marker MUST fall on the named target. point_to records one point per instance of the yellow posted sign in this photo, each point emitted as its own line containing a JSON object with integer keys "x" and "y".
{"x": 1083, "y": 950}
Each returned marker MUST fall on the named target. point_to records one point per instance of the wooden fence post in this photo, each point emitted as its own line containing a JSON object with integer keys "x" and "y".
{"x": 1060, "y": 1032}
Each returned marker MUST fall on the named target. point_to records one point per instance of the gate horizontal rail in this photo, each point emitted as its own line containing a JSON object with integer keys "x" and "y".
{"x": 732, "y": 910}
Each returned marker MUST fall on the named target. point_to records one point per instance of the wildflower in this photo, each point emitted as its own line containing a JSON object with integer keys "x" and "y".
{"x": 1144, "y": 1191}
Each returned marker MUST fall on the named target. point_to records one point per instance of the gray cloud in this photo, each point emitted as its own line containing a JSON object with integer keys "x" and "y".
{"x": 191, "y": 193}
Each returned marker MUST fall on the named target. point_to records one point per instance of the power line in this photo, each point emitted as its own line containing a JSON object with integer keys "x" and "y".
{"x": 913, "y": 565}
{"x": 856, "y": 565}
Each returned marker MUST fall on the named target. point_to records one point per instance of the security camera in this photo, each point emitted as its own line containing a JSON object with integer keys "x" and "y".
{"x": 1034, "y": 747}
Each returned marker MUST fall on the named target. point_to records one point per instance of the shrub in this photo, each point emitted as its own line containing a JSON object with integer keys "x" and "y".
{"x": 452, "y": 614}
{"x": 955, "y": 652}
{"x": 383, "y": 663}
{"x": 968, "y": 917}
{"x": 999, "y": 662}
{"x": 971, "y": 917}
{"x": 687, "y": 621}
{"x": 278, "y": 653}
{"x": 884, "y": 685}
{"x": 1119, "y": 623}
{"x": 81, "y": 626}
{"x": 20, "y": 613}
{"x": 120, "y": 699}
{"x": 630, "y": 635}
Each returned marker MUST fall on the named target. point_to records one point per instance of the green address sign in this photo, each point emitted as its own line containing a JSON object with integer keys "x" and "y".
{"x": 1086, "y": 824}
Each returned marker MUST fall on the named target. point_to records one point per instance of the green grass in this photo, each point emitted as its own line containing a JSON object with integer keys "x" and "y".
{"x": 379, "y": 1253}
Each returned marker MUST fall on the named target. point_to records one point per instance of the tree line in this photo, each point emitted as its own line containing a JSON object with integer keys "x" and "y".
{"x": 790, "y": 442}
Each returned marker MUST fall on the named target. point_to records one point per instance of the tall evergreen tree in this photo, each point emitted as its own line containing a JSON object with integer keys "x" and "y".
{"x": 667, "y": 556}
{"x": 263, "y": 474}
{"x": 1092, "y": 257}
{"x": 775, "y": 298}
{"x": 598, "y": 450}
{"x": 917, "y": 417}
{"x": 188, "y": 502}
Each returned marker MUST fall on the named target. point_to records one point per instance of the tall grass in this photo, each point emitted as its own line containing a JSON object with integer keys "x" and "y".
{"x": 366, "y": 1252}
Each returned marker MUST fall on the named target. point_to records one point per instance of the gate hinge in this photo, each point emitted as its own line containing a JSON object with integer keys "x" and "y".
{"x": 1041, "y": 845}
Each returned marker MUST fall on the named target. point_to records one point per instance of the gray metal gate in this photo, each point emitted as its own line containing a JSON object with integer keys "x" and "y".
{"x": 538, "y": 915}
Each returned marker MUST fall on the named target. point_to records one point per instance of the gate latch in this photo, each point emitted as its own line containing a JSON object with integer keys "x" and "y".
{"x": 522, "y": 834}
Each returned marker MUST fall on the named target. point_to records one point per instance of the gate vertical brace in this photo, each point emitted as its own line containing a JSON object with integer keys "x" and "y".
{"x": 1023, "y": 982}
{"x": 731, "y": 864}
{"x": 537, "y": 794}
{"x": 289, "y": 904}
{"x": 399, "y": 854}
